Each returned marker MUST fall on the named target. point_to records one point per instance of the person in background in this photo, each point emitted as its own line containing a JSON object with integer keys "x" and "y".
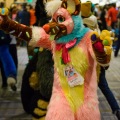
{"x": 112, "y": 14}
{"x": 8, "y": 68}
{"x": 13, "y": 43}
{"x": 108, "y": 19}
{"x": 23, "y": 17}
{"x": 13, "y": 11}
{"x": 98, "y": 15}
{"x": 13, "y": 50}
{"x": 103, "y": 18}
{"x": 117, "y": 46}
{"x": 32, "y": 14}
{"x": 10, "y": 47}
{"x": 91, "y": 22}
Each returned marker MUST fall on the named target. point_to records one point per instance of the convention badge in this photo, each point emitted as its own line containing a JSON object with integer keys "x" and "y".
{"x": 73, "y": 77}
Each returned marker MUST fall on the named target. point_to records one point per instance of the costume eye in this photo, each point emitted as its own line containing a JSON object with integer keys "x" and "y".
{"x": 60, "y": 19}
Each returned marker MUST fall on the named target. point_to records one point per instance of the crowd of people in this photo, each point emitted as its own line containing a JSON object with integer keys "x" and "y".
{"x": 108, "y": 17}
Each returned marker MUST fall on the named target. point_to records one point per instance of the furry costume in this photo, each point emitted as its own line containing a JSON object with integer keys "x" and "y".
{"x": 37, "y": 79}
{"x": 33, "y": 92}
{"x": 74, "y": 92}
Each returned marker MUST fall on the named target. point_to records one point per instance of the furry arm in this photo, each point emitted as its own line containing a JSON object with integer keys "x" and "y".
{"x": 14, "y": 28}
{"x": 36, "y": 36}
{"x": 102, "y": 46}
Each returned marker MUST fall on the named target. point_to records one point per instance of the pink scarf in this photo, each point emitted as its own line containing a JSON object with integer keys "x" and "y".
{"x": 65, "y": 47}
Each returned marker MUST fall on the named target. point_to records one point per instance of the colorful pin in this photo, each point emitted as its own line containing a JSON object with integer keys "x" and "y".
{"x": 36, "y": 50}
{"x": 3, "y": 11}
{"x": 28, "y": 35}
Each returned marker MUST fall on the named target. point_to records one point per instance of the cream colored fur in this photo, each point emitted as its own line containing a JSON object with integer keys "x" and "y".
{"x": 71, "y": 6}
{"x": 52, "y": 6}
{"x": 35, "y": 36}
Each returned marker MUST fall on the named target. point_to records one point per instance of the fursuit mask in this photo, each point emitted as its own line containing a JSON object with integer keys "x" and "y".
{"x": 62, "y": 23}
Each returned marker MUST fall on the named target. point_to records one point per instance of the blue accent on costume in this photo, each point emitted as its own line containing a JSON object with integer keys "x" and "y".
{"x": 3, "y": 11}
{"x": 78, "y": 32}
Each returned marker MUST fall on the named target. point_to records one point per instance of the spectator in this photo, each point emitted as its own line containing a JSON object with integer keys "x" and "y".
{"x": 23, "y": 17}
{"x": 103, "y": 18}
{"x": 13, "y": 50}
{"x": 117, "y": 47}
{"x": 8, "y": 68}
{"x": 32, "y": 14}
{"x": 13, "y": 11}
{"x": 112, "y": 14}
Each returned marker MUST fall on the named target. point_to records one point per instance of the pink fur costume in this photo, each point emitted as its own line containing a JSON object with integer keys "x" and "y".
{"x": 71, "y": 103}
{"x": 75, "y": 55}
{"x": 59, "y": 108}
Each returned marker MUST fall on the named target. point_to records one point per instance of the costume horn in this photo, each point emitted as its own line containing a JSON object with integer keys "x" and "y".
{"x": 77, "y": 6}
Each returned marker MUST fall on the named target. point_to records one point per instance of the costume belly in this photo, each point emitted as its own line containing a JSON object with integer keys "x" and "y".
{"x": 74, "y": 94}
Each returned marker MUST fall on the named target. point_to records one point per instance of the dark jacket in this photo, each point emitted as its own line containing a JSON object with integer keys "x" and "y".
{"x": 23, "y": 17}
{"x": 4, "y": 38}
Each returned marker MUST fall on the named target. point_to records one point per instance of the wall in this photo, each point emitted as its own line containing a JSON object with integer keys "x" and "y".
{"x": 9, "y": 2}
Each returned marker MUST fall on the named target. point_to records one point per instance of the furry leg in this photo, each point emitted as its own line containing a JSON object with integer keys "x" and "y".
{"x": 88, "y": 111}
{"x": 59, "y": 108}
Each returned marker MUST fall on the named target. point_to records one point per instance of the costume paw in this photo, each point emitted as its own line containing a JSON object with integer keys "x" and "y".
{"x": 108, "y": 50}
{"x": 107, "y": 40}
{"x": 102, "y": 46}
{"x": 97, "y": 43}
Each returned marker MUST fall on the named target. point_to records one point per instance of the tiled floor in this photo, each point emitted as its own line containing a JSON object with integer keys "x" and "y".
{"x": 10, "y": 102}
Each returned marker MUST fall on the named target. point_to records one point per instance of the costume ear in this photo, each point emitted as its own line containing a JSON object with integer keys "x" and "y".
{"x": 77, "y": 5}
{"x": 64, "y": 4}
{"x": 86, "y": 9}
